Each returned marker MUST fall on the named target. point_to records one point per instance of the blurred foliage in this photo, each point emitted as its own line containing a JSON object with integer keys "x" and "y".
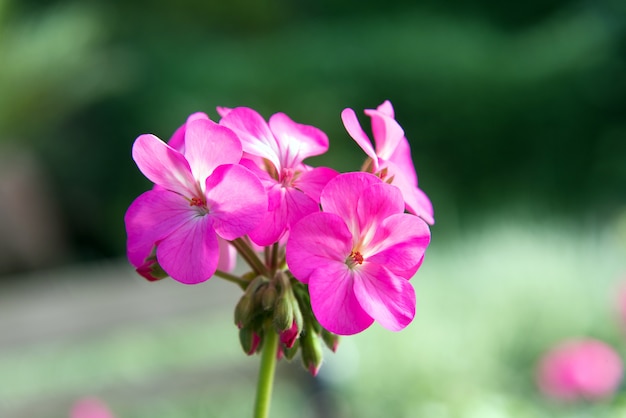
{"x": 506, "y": 105}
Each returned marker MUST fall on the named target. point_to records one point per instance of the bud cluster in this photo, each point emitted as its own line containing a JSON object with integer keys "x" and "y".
{"x": 281, "y": 304}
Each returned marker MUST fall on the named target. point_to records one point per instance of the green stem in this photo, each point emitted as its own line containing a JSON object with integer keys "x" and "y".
{"x": 243, "y": 283}
{"x": 266, "y": 374}
{"x": 248, "y": 254}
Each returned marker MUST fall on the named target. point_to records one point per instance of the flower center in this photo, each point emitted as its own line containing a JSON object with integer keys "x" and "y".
{"x": 200, "y": 205}
{"x": 354, "y": 258}
{"x": 196, "y": 201}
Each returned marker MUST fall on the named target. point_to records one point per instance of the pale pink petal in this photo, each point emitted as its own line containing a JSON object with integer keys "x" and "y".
{"x": 376, "y": 203}
{"x": 387, "y": 133}
{"x": 163, "y": 165}
{"x": 415, "y": 199}
{"x": 386, "y": 109}
{"x": 228, "y": 256}
{"x": 388, "y": 299}
{"x": 254, "y": 133}
{"x": 177, "y": 141}
{"x": 399, "y": 244}
{"x": 352, "y": 125}
{"x": 298, "y": 205}
{"x": 334, "y": 302}
{"x": 208, "y": 145}
{"x": 313, "y": 182}
{"x": 296, "y": 141}
{"x": 223, "y": 111}
{"x": 315, "y": 242}
{"x": 151, "y": 217}
{"x": 236, "y": 200}
{"x": 190, "y": 253}
{"x": 341, "y": 194}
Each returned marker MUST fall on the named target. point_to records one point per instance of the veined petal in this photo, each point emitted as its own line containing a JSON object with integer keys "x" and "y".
{"x": 298, "y": 205}
{"x": 190, "y": 254}
{"x": 272, "y": 227}
{"x": 296, "y": 141}
{"x": 376, "y": 203}
{"x": 313, "y": 182}
{"x": 388, "y": 299}
{"x": 254, "y": 133}
{"x": 334, "y": 302}
{"x": 208, "y": 145}
{"x": 352, "y": 125}
{"x": 387, "y": 133}
{"x": 317, "y": 241}
{"x": 341, "y": 194}
{"x": 163, "y": 165}
{"x": 236, "y": 200}
{"x": 151, "y": 217}
{"x": 400, "y": 243}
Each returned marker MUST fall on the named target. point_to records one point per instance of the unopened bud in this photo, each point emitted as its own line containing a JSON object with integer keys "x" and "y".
{"x": 289, "y": 337}
{"x": 249, "y": 340}
{"x": 244, "y": 310}
{"x": 290, "y": 352}
{"x": 151, "y": 270}
{"x": 268, "y": 300}
{"x": 283, "y": 314}
{"x": 311, "y": 351}
{"x": 331, "y": 340}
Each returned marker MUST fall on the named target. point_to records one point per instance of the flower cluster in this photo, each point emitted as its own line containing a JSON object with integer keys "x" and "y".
{"x": 329, "y": 253}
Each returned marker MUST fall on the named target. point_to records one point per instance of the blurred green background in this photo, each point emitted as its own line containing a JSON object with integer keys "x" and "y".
{"x": 516, "y": 114}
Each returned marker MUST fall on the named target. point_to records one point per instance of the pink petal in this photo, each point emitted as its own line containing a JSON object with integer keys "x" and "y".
{"x": 317, "y": 241}
{"x": 386, "y": 109}
{"x": 151, "y": 217}
{"x": 163, "y": 165}
{"x": 90, "y": 407}
{"x": 223, "y": 111}
{"x": 403, "y": 161}
{"x": 236, "y": 200}
{"x": 417, "y": 202}
{"x": 387, "y": 133}
{"x": 334, "y": 302}
{"x": 208, "y": 145}
{"x": 343, "y": 192}
{"x": 388, "y": 299}
{"x": 228, "y": 256}
{"x": 177, "y": 141}
{"x": 352, "y": 125}
{"x": 254, "y": 133}
{"x": 376, "y": 203}
{"x": 190, "y": 254}
{"x": 272, "y": 227}
{"x": 399, "y": 244}
{"x": 313, "y": 182}
{"x": 295, "y": 141}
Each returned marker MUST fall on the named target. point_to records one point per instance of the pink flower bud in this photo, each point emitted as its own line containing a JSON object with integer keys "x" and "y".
{"x": 586, "y": 368}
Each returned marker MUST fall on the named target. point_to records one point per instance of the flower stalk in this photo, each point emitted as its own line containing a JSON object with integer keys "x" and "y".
{"x": 266, "y": 374}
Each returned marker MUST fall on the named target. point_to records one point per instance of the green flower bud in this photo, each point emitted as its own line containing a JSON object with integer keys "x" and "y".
{"x": 311, "y": 351}
{"x": 249, "y": 340}
{"x": 331, "y": 340}
{"x": 283, "y": 313}
{"x": 268, "y": 299}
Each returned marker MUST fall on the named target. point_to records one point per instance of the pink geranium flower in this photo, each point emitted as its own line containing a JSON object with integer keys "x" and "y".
{"x": 358, "y": 255}
{"x": 391, "y": 160}
{"x": 202, "y": 193}
{"x": 585, "y": 368}
{"x": 275, "y": 152}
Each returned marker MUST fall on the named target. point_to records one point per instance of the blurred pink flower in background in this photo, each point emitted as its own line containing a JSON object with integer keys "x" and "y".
{"x": 579, "y": 369}
{"x": 90, "y": 407}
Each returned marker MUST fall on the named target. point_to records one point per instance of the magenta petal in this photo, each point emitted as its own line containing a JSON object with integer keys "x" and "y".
{"x": 151, "y": 217}
{"x": 228, "y": 256}
{"x": 191, "y": 253}
{"x": 254, "y": 133}
{"x": 387, "y": 133}
{"x": 388, "y": 299}
{"x": 177, "y": 141}
{"x": 334, "y": 302}
{"x": 318, "y": 240}
{"x": 236, "y": 200}
{"x": 296, "y": 141}
{"x": 352, "y": 125}
{"x": 402, "y": 162}
{"x": 342, "y": 192}
{"x": 163, "y": 165}
{"x": 313, "y": 182}
{"x": 208, "y": 145}
{"x": 376, "y": 203}
{"x": 386, "y": 109}
{"x": 417, "y": 202}
{"x": 403, "y": 240}
{"x": 272, "y": 227}
{"x": 298, "y": 205}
